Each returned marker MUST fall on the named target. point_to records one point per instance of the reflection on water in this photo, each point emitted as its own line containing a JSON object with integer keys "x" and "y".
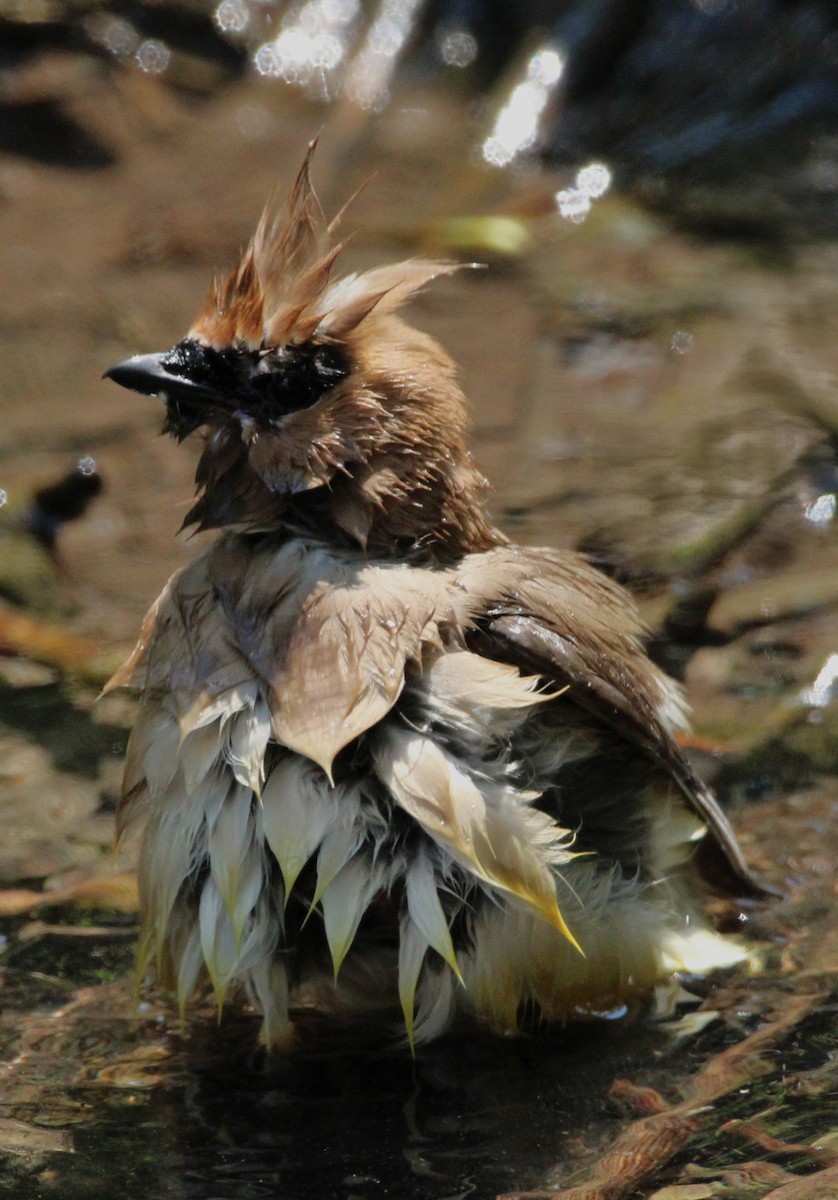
{"x": 470, "y": 1116}
{"x": 467, "y": 1118}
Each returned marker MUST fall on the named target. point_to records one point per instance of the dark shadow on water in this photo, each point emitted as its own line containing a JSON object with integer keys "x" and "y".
{"x": 471, "y": 1115}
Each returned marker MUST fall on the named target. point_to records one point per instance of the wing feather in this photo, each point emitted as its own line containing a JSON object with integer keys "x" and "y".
{"x": 556, "y": 616}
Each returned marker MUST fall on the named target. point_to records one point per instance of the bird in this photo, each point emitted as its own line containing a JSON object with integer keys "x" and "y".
{"x": 388, "y": 765}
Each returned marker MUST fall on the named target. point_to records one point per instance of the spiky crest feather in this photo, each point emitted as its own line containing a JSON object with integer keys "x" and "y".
{"x": 281, "y": 291}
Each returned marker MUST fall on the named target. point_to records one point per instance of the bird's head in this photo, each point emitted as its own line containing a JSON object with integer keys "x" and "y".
{"x": 322, "y": 410}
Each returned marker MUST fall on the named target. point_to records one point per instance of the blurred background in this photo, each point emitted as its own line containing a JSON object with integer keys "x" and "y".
{"x": 651, "y": 358}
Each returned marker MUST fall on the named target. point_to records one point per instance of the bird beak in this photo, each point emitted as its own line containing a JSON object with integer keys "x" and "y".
{"x": 189, "y": 402}
{"x": 151, "y": 375}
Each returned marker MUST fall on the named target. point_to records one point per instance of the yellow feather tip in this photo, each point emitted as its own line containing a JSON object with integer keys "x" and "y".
{"x": 407, "y": 1003}
{"x": 455, "y": 967}
{"x": 554, "y": 916}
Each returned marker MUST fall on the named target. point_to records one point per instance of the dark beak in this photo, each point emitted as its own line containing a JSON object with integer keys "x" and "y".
{"x": 171, "y": 376}
{"x": 151, "y": 374}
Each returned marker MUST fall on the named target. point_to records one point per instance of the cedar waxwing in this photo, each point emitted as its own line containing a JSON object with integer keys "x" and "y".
{"x": 383, "y": 755}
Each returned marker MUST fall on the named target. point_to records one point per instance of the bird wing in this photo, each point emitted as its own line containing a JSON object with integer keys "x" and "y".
{"x": 556, "y": 616}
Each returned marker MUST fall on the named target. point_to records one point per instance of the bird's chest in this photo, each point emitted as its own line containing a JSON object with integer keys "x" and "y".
{"x": 292, "y": 645}
{"x": 330, "y": 702}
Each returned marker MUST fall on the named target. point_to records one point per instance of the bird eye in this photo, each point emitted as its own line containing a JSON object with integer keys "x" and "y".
{"x": 328, "y": 363}
{"x": 295, "y": 378}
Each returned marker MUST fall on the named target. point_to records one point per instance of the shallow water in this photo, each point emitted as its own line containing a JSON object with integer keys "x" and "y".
{"x": 666, "y": 401}
{"x": 460, "y": 1121}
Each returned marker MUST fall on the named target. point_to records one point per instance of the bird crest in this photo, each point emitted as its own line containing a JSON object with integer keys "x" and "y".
{"x": 281, "y": 291}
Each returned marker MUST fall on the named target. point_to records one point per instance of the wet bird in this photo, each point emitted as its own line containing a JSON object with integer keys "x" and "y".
{"x": 383, "y": 756}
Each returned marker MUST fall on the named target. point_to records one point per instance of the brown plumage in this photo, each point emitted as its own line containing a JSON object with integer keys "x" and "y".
{"x": 383, "y": 755}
